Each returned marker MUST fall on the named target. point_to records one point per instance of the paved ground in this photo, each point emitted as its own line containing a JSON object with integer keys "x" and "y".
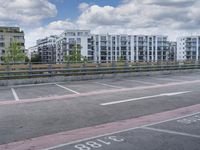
{"x": 180, "y": 133}
{"x": 102, "y": 114}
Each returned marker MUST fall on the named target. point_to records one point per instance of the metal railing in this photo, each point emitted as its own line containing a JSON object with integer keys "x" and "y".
{"x": 21, "y": 71}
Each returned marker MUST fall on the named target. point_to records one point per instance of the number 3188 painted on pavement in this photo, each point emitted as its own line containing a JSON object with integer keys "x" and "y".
{"x": 97, "y": 143}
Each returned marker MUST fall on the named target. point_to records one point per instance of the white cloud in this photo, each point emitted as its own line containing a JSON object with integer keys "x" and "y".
{"x": 61, "y": 25}
{"x": 83, "y": 6}
{"x": 53, "y": 28}
{"x": 171, "y": 17}
{"x": 25, "y": 12}
{"x": 144, "y": 14}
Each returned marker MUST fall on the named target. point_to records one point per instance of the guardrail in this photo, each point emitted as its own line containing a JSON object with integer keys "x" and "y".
{"x": 50, "y": 70}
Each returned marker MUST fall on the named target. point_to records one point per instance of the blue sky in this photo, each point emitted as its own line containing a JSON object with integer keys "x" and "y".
{"x": 69, "y": 8}
{"x": 41, "y": 18}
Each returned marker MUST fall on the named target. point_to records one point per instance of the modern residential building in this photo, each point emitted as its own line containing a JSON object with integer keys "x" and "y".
{"x": 188, "y": 48}
{"x": 68, "y": 39}
{"x": 172, "y": 51}
{"x": 47, "y": 49}
{"x": 107, "y": 48}
{"x": 132, "y": 48}
{"x": 32, "y": 51}
{"x": 7, "y": 36}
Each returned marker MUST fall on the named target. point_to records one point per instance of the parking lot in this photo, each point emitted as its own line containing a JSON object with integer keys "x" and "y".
{"x": 141, "y": 112}
{"x": 183, "y": 132}
{"x": 45, "y": 90}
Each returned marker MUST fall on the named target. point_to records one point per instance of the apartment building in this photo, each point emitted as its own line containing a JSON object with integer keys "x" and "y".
{"x": 47, "y": 49}
{"x": 132, "y": 48}
{"x": 172, "y": 51}
{"x": 188, "y": 48}
{"x": 32, "y": 51}
{"x": 104, "y": 48}
{"x": 7, "y": 36}
{"x": 68, "y": 39}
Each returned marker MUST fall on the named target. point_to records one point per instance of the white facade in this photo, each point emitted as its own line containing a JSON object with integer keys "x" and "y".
{"x": 133, "y": 48}
{"x": 31, "y": 51}
{"x": 67, "y": 40}
{"x": 107, "y": 48}
{"x": 47, "y": 49}
{"x": 188, "y": 48}
{"x": 51, "y": 40}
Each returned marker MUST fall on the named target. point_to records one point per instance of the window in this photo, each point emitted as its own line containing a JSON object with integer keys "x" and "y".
{"x": 80, "y": 33}
{"x": 2, "y": 44}
{"x": 103, "y": 38}
{"x": 1, "y": 37}
{"x": 79, "y": 40}
{"x": 70, "y": 34}
{"x": 18, "y": 38}
{"x": 71, "y": 40}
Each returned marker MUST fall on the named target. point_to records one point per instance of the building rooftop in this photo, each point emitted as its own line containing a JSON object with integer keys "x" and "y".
{"x": 10, "y": 29}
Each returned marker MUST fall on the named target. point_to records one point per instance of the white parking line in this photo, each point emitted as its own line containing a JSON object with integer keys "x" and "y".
{"x": 145, "y": 97}
{"x": 67, "y": 89}
{"x": 189, "y": 77}
{"x": 143, "y": 82}
{"x": 168, "y": 120}
{"x": 169, "y": 79}
{"x": 28, "y": 85}
{"x": 117, "y": 132}
{"x": 171, "y": 132}
{"x": 113, "y": 86}
{"x": 15, "y": 94}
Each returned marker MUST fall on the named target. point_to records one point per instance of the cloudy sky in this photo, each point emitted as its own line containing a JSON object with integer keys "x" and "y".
{"x": 40, "y": 18}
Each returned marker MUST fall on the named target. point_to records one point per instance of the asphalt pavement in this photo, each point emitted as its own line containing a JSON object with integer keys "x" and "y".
{"x": 50, "y": 115}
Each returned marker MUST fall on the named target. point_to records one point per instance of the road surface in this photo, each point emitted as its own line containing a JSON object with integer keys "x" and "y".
{"x": 132, "y": 113}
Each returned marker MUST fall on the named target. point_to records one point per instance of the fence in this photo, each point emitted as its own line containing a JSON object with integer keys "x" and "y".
{"x": 18, "y": 71}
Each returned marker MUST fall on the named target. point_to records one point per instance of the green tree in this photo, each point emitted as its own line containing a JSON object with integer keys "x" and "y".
{"x": 121, "y": 59}
{"x": 36, "y": 58}
{"x": 27, "y": 59}
{"x": 14, "y": 54}
{"x": 75, "y": 55}
{"x": 84, "y": 59}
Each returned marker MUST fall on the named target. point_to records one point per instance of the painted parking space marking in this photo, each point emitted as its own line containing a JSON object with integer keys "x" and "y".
{"x": 191, "y": 78}
{"x": 190, "y": 120}
{"x": 145, "y": 127}
{"x": 80, "y": 135}
{"x": 145, "y": 97}
{"x": 30, "y": 85}
{"x": 31, "y": 100}
{"x": 6, "y": 94}
{"x": 126, "y": 130}
{"x": 44, "y": 91}
{"x": 15, "y": 94}
{"x": 169, "y": 79}
{"x": 67, "y": 89}
{"x": 170, "y": 132}
{"x": 168, "y": 120}
{"x": 187, "y": 126}
{"x": 142, "y": 82}
{"x": 99, "y": 142}
{"x": 93, "y": 142}
{"x": 108, "y": 85}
